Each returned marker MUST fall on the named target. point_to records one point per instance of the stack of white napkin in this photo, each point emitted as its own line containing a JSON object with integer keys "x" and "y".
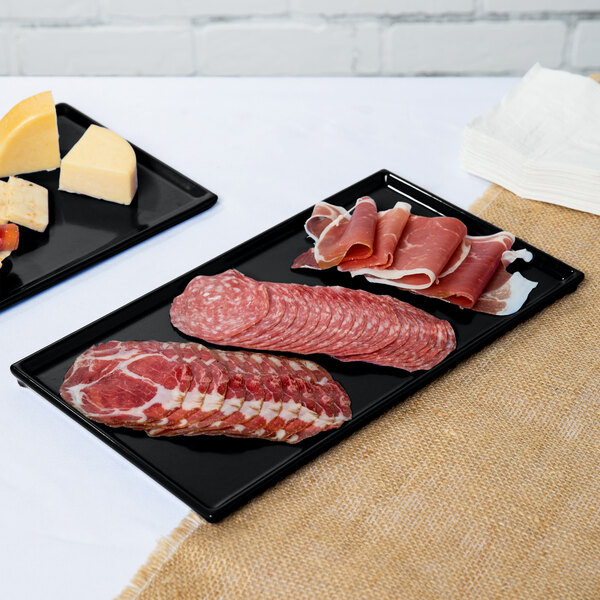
{"x": 542, "y": 141}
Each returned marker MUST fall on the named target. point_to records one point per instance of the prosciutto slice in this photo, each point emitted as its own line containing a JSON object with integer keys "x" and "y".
{"x": 323, "y": 215}
{"x": 506, "y": 292}
{"x": 345, "y": 237}
{"x": 390, "y": 225}
{"x": 464, "y": 286}
{"x": 424, "y": 250}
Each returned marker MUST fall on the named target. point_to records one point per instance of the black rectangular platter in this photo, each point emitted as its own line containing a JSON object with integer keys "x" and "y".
{"x": 83, "y": 231}
{"x": 215, "y": 475}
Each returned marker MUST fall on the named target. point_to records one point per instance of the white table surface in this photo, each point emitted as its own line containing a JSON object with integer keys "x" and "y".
{"x": 77, "y": 519}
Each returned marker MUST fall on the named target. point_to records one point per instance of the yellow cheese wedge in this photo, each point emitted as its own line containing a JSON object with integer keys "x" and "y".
{"x": 27, "y": 204}
{"x": 29, "y": 137}
{"x": 101, "y": 164}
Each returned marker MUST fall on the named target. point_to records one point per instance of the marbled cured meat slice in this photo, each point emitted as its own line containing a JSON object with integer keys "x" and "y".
{"x": 198, "y": 358}
{"x": 198, "y": 423}
{"x": 191, "y": 390}
{"x": 348, "y": 238}
{"x": 248, "y": 409}
{"x": 426, "y": 246}
{"x": 155, "y": 378}
{"x": 220, "y": 306}
{"x": 464, "y": 286}
{"x": 506, "y": 292}
{"x": 390, "y": 225}
{"x": 194, "y": 410}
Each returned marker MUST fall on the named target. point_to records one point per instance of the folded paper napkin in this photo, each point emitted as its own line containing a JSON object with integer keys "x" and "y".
{"x": 542, "y": 141}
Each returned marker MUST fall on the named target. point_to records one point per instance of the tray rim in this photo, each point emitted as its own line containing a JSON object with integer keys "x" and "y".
{"x": 215, "y": 513}
{"x": 201, "y": 203}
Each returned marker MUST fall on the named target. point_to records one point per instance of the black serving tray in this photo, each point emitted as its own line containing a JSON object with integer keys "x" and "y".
{"x": 83, "y": 231}
{"x": 215, "y": 475}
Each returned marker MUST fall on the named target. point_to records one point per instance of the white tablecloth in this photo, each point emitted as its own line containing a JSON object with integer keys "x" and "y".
{"x": 76, "y": 519}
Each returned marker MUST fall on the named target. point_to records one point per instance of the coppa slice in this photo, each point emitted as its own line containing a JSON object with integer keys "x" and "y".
{"x": 220, "y": 306}
{"x": 127, "y": 383}
{"x": 169, "y": 389}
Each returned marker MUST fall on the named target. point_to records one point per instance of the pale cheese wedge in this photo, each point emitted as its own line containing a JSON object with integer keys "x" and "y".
{"x": 29, "y": 137}
{"x": 3, "y": 202}
{"x": 27, "y": 204}
{"x": 102, "y": 165}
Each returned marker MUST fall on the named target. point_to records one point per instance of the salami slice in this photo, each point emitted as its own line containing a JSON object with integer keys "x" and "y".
{"x": 220, "y": 306}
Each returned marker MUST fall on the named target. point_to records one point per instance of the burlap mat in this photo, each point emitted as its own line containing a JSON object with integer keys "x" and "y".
{"x": 486, "y": 484}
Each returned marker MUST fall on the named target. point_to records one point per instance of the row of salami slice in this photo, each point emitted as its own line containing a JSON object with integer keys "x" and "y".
{"x": 232, "y": 309}
{"x": 431, "y": 256}
{"x": 168, "y": 389}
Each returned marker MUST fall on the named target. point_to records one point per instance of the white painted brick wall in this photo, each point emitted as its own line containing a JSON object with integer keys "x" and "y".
{"x": 472, "y": 47}
{"x": 104, "y": 51}
{"x": 297, "y": 37}
{"x": 274, "y": 49}
{"x": 586, "y": 48}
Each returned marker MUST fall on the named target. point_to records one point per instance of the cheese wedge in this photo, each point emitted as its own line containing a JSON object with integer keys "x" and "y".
{"x": 29, "y": 137}
{"x": 102, "y": 165}
{"x": 27, "y": 203}
{"x": 3, "y": 202}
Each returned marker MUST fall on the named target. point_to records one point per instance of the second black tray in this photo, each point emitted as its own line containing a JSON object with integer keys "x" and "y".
{"x": 83, "y": 231}
{"x": 214, "y": 475}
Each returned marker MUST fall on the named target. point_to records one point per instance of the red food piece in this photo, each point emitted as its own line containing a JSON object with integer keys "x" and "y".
{"x": 9, "y": 237}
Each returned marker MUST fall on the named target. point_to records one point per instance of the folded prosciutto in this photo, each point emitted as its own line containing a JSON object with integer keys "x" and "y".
{"x": 390, "y": 224}
{"x": 348, "y": 237}
{"x": 506, "y": 292}
{"x": 464, "y": 285}
{"x": 423, "y": 251}
{"x": 431, "y": 256}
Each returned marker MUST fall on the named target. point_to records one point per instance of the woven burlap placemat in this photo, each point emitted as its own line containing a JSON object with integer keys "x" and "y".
{"x": 486, "y": 484}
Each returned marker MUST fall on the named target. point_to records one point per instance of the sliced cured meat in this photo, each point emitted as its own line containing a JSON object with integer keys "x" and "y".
{"x": 193, "y": 408}
{"x": 390, "y": 225}
{"x": 464, "y": 286}
{"x": 306, "y": 260}
{"x": 169, "y": 389}
{"x": 457, "y": 258}
{"x": 432, "y": 256}
{"x": 322, "y": 216}
{"x": 345, "y": 237}
{"x": 426, "y": 246}
{"x": 220, "y": 306}
{"x": 354, "y": 324}
{"x": 506, "y": 292}
{"x": 127, "y": 383}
